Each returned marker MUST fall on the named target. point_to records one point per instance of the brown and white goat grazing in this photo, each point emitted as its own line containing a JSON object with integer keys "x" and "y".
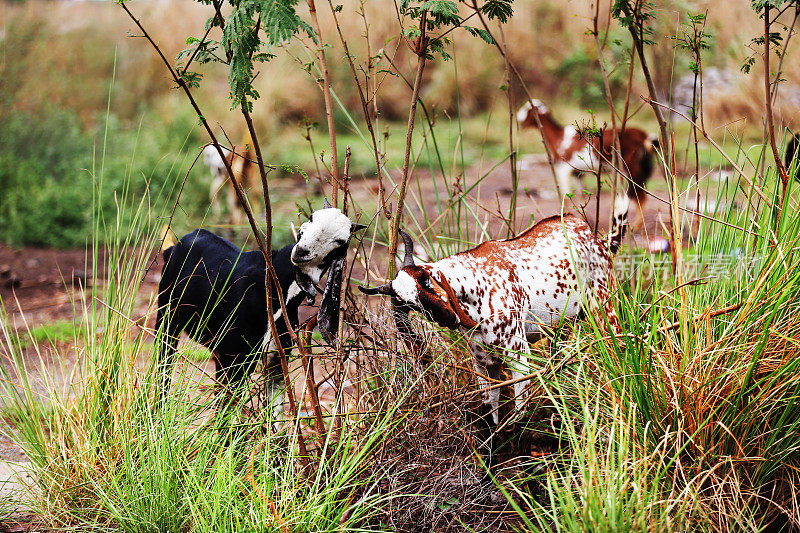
{"x": 241, "y": 162}
{"x": 509, "y": 293}
{"x": 573, "y": 154}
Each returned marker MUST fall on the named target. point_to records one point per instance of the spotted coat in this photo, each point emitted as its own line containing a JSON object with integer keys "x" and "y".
{"x": 509, "y": 293}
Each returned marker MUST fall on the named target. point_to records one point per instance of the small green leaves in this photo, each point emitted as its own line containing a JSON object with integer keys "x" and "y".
{"x": 412, "y": 32}
{"x": 441, "y": 13}
{"x": 192, "y": 79}
{"x": 480, "y": 32}
{"x": 748, "y": 64}
{"x": 499, "y": 10}
{"x": 694, "y": 38}
{"x": 699, "y": 18}
{"x": 636, "y": 16}
{"x": 444, "y": 16}
{"x": 281, "y": 22}
{"x": 759, "y": 5}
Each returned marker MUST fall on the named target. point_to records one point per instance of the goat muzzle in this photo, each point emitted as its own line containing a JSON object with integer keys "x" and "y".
{"x": 414, "y": 341}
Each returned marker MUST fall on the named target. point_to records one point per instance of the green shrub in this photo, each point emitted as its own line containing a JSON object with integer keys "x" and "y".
{"x": 580, "y": 72}
{"x": 47, "y": 190}
{"x": 50, "y": 168}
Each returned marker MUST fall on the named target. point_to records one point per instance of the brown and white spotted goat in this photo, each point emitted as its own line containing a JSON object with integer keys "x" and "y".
{"x": 509, "y": 293}
{"x": 573, "y": 154}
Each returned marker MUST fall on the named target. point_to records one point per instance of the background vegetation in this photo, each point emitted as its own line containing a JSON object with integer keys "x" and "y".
{"x": 55, "y": 94}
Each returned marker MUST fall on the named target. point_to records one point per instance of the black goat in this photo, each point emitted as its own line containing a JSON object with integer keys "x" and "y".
{"x": 216, "y": 293}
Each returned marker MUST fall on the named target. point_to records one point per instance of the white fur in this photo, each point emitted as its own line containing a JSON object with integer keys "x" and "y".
{"x": 518, "y": 294}
{"x": 522, "y": 114}
{"x": 570, "y": 135}
{"x": 294, "y": 289}
{"x": 406, "y": 288}
{"x": 274, "y": 390}
{"x": 326, "y": 231}
{"x": 540, "y": 107}
{"x": 216, "y": 164}
{"x": 584, "y": 160}
{"x": 212, "y": 159}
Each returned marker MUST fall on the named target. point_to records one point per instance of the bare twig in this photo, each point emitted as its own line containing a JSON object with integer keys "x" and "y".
{"x": 326, "y": 93}
{"x": 368, "y": 117}
{"x": 768, "y": 101}
{"x": 636, "y": 29}
{"x": 503, "y": 52}
{"x": 421, "y": 52}
{"x": 240, "y": 195}
{"x": 610, "y": 102}
{"x": 512, "y": 210}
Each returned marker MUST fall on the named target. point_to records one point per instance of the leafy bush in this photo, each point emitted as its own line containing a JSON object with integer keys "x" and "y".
{"x": 578, "y": 70}
{"x": 49, "y": 169}
{"x": 47, "y": 191}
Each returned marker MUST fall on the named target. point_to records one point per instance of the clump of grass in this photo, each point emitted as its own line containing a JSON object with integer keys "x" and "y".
{"x": 107, "y": 455}
{"x": 689, "y": 420}
{"x": 61, "y": 331}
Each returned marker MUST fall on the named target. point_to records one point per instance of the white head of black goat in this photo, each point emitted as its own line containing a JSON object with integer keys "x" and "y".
{"x": 321, "y": 242}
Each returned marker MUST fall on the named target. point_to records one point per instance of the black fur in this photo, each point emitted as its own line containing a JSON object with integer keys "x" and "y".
{"x": 791, "y": 154}
{"x": 217, "y": 294}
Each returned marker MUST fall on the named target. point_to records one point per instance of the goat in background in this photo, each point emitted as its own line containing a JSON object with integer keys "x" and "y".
{"x": 241, "y": 162}
{"x": 573, "y": 154}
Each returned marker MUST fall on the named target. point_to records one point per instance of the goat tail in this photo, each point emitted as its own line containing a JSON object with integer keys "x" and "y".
{"x": 792, "y": 152}
{"x": 645, "y": 156}
{"x": 619, "y": 225}
{"x": 651, "y": 144}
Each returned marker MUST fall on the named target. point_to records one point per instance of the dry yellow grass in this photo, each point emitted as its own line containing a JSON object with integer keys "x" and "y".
{"x": 63, "y": 54}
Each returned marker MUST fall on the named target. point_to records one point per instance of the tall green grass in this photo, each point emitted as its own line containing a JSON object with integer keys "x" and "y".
{"x": 689, "y": 421}
{"x": 106, "y": 456}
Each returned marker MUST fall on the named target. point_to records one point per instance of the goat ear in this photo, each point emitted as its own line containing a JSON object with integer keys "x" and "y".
{"x": 328, "y": 316}
{"x": 326, "y": 204}
{"x": 357, "y": 227}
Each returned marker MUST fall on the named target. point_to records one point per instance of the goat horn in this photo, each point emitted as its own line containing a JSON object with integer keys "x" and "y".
{"x": 326, "y": 204}
{"x": 383, "y": 289}
{"x": 408, "y": 260}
